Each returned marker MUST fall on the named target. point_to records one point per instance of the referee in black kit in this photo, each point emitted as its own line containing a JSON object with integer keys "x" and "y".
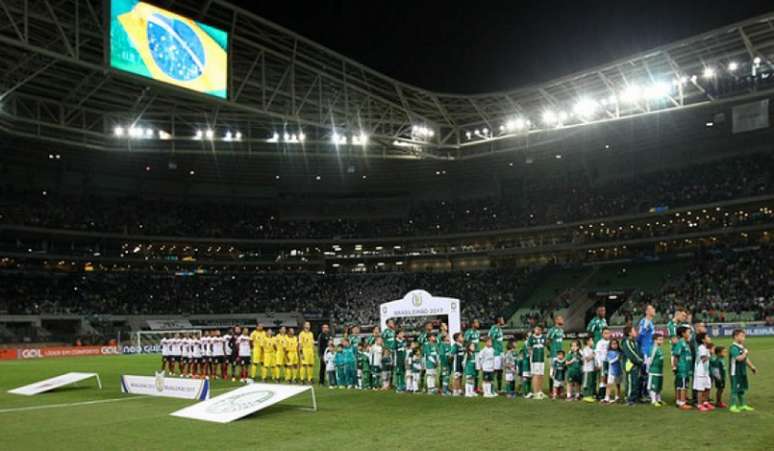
{"x": 322, "y": 345}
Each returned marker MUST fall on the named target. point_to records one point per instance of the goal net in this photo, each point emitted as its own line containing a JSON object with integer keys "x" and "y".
{"x": 149, "y": 341}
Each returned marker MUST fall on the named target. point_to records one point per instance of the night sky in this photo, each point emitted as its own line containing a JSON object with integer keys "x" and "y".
{"x": 493, "y": 45}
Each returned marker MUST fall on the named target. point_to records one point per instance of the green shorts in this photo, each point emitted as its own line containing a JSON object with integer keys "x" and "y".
{"x": 739, "y": 383}
{"x": 655, "y": 383}
{"x": 682, "y": 381}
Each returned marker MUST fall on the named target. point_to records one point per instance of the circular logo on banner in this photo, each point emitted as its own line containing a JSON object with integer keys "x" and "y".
{"x": 240, "y": 402}
{"x": 416, "y": 300}
{"x": 453, "y": 306}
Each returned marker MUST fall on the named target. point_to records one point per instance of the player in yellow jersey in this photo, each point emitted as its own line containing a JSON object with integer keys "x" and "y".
{"x": 291, "y": 362}
{"x": 306, "y": 345}
{"x": 267, "y": 349}
{"x": 280, "y": 352}
{"x": 255, "y": 338}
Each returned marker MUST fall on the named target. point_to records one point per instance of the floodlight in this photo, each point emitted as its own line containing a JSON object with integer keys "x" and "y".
{"x": 209, "y": 133}
{"x": 708, "y": 72}
{"x": 732, "y": 66}
{"x": 118, "y": 131}
{"x": 238, "y": 136}
{"x": 198, "y": 134}
{"x": 549, "y": 117}
{"x": 585, "y": 107}
{"x": 631, "y": 94}
{"x": 757, "y": 60}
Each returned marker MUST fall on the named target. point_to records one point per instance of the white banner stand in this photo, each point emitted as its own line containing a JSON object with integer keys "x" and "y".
{"x": 54, "y": 383}
{"x": 421, "y": 303}
{"x": 243, "y": 401}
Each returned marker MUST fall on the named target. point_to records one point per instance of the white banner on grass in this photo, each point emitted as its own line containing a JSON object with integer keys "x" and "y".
{"x": 170, "y": 387}
{"x": 242, "y": 402}
{"x": 53, "y": 383}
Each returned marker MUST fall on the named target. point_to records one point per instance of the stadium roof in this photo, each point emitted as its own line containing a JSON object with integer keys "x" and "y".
{"x": 57, "y": 85}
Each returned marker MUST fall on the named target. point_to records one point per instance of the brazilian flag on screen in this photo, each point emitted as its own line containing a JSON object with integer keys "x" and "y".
{"x": 159, "y": 44}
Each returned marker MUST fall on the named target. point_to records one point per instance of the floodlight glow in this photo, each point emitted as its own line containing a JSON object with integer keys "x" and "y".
{"x": 228, "y": 136}
{"x": 468, "y": 135}
{"x": 732, "y": 66}
{"x": 585, "y": 107}
{"x": 118, "y": 131}
{"x": 658, "y": 90}
{"x": 694, "y": 78}
{"x": 562, "y": 116}
{"x": 149, "y": 133}
{"x": 757, "y": 60}
{"x": 285, "y": 137}
{"x": 631, "y": 94}
{"x": 708, "y": 72}
{"x": 274, "y": 138}
{"x": 549, "y": 117}
{"x": 486, "y": 131}
{"x": 198, "y": 134}
{"x": 209, "y": 133}
{"x": 301, "y": 137}
{"x": 238, "y": 136}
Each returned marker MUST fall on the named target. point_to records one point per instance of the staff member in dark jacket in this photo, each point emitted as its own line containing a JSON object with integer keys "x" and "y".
{"x": 322, "y": 345}
{"x": 633, "y": 365}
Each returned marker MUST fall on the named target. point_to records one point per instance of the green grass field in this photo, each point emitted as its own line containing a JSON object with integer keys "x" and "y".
{"x": 350, "y": 419}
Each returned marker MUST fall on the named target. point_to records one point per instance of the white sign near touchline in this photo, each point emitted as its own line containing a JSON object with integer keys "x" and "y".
{"x": 242, "y": 402}
{"x": 170, "y": 387}
{"x": 54, "y": 382}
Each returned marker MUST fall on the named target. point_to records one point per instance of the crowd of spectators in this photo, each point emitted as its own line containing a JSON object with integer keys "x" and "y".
{"x": 718, "y": 285}
{"x": 550, "y": 202}
{"x": 344, "y": 299}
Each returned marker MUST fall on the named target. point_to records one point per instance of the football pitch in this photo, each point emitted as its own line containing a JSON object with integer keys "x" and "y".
{"x": 85, "y": 418}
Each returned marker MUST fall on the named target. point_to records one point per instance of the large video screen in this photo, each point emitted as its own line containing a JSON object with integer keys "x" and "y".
{"x": 155, "y": 43}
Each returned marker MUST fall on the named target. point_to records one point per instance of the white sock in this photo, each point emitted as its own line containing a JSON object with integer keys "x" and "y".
{"x": 653, "y": 396}
{"x": 430, "y": 383}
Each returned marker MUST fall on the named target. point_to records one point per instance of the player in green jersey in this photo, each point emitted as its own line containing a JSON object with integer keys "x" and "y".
{"x": 574, "y": 370}
{"x": 496, "y": 334}
{"x": 363, "y": 368}
{"x": 682, "y": 364}
{"x": 431, "y": 363}
{"x": 471, "y": 372}
{"x": 597, "y": 324}
{"x": 399, "y": 345}
{"x": 445, "y": 360}
{"x": 473, "y": 336}
{"x": 559, "y": 373}
{"x": 388, "y": 336}
{"x": 524, "y": 370}
{"x": 656, "y": 371}
{"x": 718, "y": 374}
{"x": 458, "y": 363}
{"x": 371, "y": 339}
{"x": 678, "y": 319}
{"x": 738, "y": 362}
{"x": 536, "y": 344}
{"x": 635, "y": 362}
{"x": 554, "y": 341}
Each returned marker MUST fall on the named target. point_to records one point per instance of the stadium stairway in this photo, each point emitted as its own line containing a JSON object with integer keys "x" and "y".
{"x": 580, "y": 302}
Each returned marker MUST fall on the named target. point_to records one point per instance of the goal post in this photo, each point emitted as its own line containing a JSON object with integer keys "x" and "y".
{"x": 149, "y": 341}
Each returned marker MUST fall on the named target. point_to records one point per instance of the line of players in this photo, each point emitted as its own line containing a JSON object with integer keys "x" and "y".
{"x": 284, "y": 355}
{"x": 206, "y": 356}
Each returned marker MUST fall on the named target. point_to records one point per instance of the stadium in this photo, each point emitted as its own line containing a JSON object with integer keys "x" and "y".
{"x": 216, "y": 232}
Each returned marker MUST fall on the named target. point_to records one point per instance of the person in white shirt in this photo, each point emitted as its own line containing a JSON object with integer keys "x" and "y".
{"x": 185, "y": 346}
{"x": 164, "y": 342}
{"x": 375, "y": 355}
{"x": 486, "y": 359}
{"x": 600, "y": 361}
{"x": 218, "y": 354}
{"x": 330, "y": 365}
{"x": 702, "y": 383}
{"x": 244, "y": 352}
{"x": 196, "y": 357}
{"x": 587, "y": 355}
{"x": 174, "y": 350}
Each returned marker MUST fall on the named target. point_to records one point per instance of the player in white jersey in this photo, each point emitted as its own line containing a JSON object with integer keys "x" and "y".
{"x": 164, "y": 343}
{"x": 600, "y": 360}
{"x": 244, "y": 352}
{"x": 185, "y": 355}
{"x": 218, "y": 355}
{"x": 196, "y": 356}
{"x": 174, "y": 354}
{"x": 206, "y": 354}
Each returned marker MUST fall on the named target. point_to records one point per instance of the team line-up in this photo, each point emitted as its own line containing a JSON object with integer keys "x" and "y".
{"x": 594, "y": 369}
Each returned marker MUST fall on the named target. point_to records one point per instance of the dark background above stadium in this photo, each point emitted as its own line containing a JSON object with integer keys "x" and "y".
{"x": 497, "y": 45}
